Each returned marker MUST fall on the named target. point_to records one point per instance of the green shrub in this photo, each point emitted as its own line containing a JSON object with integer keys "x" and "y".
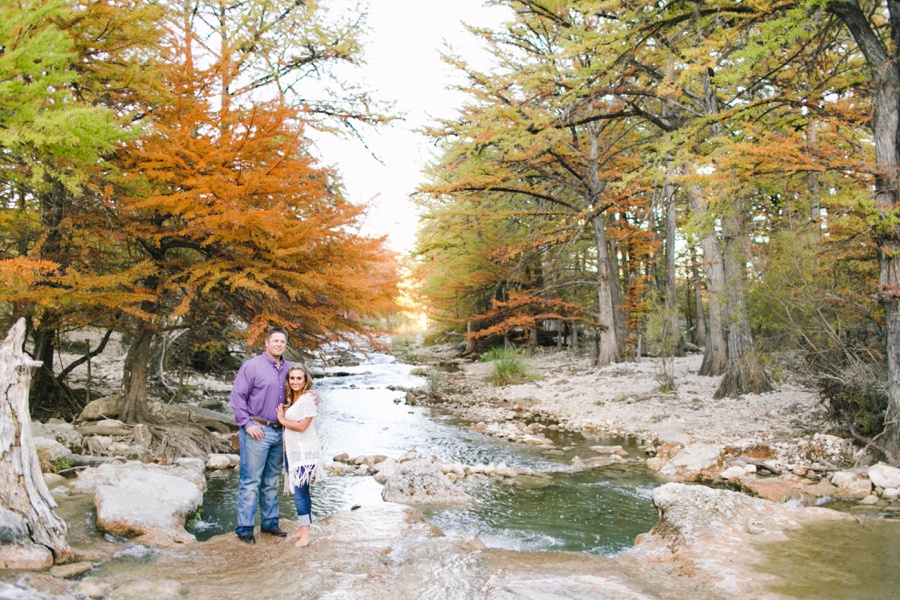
{"x": 192, "y": 522}
{"x": 496, "y": 353}
{"x": 61, "y": 464}
{"x": 509, "y": 367}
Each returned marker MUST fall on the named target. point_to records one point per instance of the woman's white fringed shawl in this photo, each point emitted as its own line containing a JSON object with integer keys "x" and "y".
{"x": 302, "y": 448}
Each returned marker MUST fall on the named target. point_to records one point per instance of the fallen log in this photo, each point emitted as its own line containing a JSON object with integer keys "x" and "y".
{"x": 83, "y": 460}
{"x": 761, "y": 464}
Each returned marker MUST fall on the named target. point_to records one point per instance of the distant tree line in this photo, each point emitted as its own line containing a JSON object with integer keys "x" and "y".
{"x": 641, "y": 176}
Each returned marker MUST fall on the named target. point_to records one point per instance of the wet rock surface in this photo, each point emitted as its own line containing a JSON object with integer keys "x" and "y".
{"x": 148, "y": 501}
{"x": 706, "y": 546}
{"x": 385, "y": 551}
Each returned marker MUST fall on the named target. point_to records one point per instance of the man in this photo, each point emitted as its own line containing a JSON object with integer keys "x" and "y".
{"x": 258, "y": 389}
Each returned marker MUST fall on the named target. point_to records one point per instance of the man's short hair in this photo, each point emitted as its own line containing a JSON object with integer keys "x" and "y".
{"x": 275, "y": 330}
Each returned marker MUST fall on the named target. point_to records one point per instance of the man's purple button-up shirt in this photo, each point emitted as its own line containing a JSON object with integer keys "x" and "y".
{"x": 258, "y": 389}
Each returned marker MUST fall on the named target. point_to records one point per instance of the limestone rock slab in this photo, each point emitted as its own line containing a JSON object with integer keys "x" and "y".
{"x": 693, "y": 461}
{"x": 421, "y": 482}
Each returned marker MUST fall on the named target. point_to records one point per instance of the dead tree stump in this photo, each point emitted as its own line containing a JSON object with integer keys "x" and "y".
{"x": 31, "y": 534}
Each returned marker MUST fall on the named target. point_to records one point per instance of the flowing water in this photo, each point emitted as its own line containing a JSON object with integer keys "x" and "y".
{"x": 362, "y": 412}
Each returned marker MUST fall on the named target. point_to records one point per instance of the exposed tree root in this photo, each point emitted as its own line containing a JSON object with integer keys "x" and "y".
{"x": 177, "y": 440}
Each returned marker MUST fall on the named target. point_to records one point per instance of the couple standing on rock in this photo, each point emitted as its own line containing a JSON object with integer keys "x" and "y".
{"x": 274, "y": 406}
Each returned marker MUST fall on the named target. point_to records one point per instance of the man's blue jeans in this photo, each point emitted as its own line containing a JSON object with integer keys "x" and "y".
{"x": 261, "y": 462}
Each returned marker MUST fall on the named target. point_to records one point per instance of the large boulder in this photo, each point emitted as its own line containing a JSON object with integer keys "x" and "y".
{"x": 785, "y": 488}
{"x": 146, "y": 500}
{"x": 421, "y": 482}
{"x": 13, "y": 527}
{"x": 101, "y": 408}
{"x": 694, "y": 462}
{"x": 222, "y": 461}
{"x": 16, "y": 548}
{"x": 62, "y": 432}
{"x": 25, "y": 556}
{"x": 850, "y": 486}
{"x": 673, "y": 437}
{"x": 385, "y": 469}
{"x": 111, "y": 473}
{"x": 50, "y": 448}
{"x": 884, "y": 476}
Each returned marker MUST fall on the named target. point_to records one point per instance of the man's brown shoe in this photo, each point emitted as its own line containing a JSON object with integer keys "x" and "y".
{"x": 275, "y": 531}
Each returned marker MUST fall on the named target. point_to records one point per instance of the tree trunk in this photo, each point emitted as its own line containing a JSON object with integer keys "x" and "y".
{"x": 674, "y": 331}
{"x": 743, "y": 372}
{"x": 608, "y": 348}
{"x": 885, "y": 74}
{"x": 812, "y": 179}
{"x": 23, "y": 492}
{"x": 615, "y": 287}
{"x": 890, "y": 285}
{"x": 699, "y": 334}
{"x": 714, "y": 354}
{"x": 49, "y": 395}
{"x": 560, "y": 333}
{"x": 133, "y": 408}
{"x": 43, "y": 389}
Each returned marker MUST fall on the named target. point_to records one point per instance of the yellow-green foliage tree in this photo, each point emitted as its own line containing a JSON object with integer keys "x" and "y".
{"x": 518, "y": 150}
{"x": 69, "y": 72}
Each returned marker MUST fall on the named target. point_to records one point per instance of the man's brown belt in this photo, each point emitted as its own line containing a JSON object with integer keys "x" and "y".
{"x": 266, "y": 423}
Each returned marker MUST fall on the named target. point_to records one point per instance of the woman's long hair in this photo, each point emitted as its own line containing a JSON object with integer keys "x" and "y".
{"x": 289, "y": 397}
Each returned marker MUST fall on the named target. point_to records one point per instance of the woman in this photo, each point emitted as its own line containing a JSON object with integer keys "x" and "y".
{"x": 301, "y": 445}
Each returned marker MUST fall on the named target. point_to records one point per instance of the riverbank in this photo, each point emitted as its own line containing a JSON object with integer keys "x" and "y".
{"x": 625, "y": 400}
{"x": 778, "y": 446}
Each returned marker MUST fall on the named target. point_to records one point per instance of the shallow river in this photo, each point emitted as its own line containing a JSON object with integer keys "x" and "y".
{"x": 599, "y": 511}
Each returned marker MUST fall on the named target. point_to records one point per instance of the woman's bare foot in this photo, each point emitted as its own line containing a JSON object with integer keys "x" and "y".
{"x": 302, "y": 537}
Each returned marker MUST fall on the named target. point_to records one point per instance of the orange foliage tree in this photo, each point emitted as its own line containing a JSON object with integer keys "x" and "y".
{"x": 237, "y": 222}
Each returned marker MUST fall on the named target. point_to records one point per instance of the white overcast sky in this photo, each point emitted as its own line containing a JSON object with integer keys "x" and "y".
{"x": 404, "y": 66}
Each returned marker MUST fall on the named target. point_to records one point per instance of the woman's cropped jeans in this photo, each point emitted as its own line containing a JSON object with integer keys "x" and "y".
{"x": 303, "y": 502}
